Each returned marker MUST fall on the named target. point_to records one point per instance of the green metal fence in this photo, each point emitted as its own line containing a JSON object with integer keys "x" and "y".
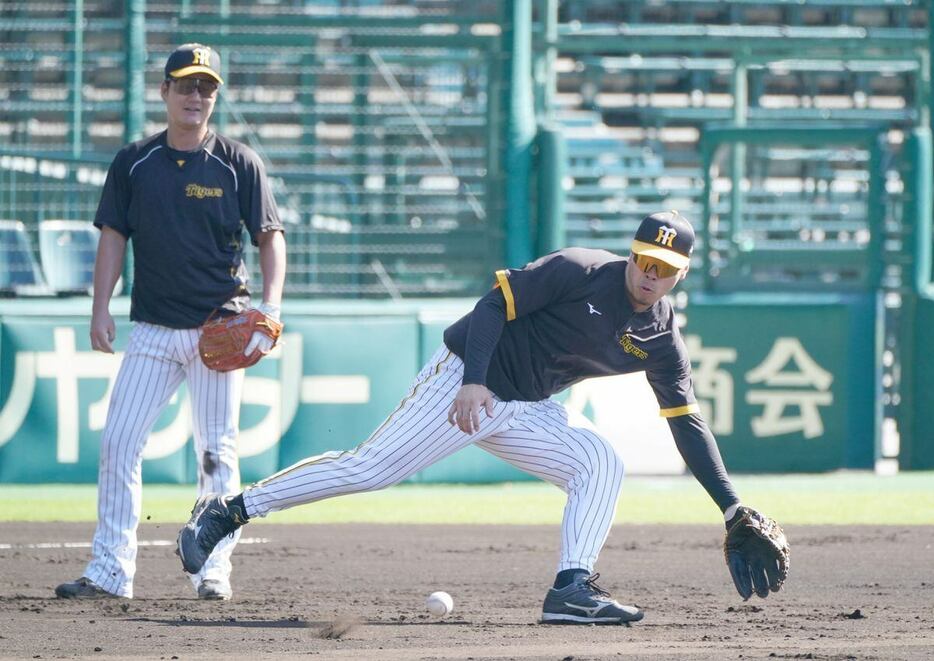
{"x": 393, "y": 129}
{"x": 415, "y": 147}
{"x": 383, "y": 130}
{"x": 794, "y": 208}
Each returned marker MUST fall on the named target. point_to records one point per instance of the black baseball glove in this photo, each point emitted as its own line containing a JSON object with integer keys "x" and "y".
{"x": 756, "y": 553}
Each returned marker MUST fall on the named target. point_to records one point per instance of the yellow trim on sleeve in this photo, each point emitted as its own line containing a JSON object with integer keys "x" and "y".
{"x": 503, "y": 281}
{"x": 680, "y": 410}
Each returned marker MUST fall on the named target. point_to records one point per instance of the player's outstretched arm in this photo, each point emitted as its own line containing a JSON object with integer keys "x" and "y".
{"x": 698, "y": 448}
{"x": 755, "y": 548}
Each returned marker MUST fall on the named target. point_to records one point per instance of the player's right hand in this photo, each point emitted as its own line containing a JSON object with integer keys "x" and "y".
{"x": 465, "y": 411}
{"x": 103, "y": 332}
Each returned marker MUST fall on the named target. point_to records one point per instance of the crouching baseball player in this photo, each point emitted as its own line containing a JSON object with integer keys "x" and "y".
{"x": 573, "y": 314}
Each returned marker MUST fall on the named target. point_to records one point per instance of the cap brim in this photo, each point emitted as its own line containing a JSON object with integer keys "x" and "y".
{"x": 196, "y": 68}
{"x": 671, "y": 257}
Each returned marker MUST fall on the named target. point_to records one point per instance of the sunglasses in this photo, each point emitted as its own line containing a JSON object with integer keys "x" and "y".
{"x": 663, "y": 269}
{"x": 185, "y": 86}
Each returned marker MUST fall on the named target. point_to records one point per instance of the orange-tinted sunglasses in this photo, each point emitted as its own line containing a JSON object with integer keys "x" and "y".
{"x": 663, "y": 269}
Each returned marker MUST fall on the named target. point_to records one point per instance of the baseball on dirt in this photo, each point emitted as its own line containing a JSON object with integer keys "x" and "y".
{"x": 439, "y": 604}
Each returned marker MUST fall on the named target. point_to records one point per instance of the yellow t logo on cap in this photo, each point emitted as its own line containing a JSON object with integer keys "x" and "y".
{"x": 666, "y": 236}
{"x": 202, "y": 56}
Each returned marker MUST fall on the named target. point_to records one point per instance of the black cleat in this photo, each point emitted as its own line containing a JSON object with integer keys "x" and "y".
{"x": 211, "y": 520}
{"x": 583, "y": 602}
{"x": 83, "y": 588}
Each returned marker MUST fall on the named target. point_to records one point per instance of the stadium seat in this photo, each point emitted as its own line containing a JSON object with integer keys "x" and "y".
{"x": 19, "y": 272}
{"x": 68, "y": 249}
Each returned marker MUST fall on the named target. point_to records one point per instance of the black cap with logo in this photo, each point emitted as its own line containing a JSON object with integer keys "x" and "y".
{"x": 667, "y": 236}
{"x": 190, "y": 59}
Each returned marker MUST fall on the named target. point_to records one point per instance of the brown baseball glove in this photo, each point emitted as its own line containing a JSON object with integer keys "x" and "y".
{"x": 224, "y": 339}
{"x": 757, "y": 553}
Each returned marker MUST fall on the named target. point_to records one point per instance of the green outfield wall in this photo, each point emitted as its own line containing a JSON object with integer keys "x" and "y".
{"x": 917, "y": 451}
{"x": 786, "y": 383}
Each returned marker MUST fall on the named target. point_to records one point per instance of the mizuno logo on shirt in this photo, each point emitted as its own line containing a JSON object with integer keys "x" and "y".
{"x": 201, "y": 192}
{"x": 594, "y": 310}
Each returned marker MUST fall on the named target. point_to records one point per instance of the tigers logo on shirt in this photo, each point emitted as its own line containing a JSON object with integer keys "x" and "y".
{"x": 626, "y": 343}
{"x": 201, "y": 192}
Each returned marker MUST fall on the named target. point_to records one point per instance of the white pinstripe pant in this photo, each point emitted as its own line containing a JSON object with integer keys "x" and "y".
{"x": 533, "y": 436}
{"x": 156, "y": 361}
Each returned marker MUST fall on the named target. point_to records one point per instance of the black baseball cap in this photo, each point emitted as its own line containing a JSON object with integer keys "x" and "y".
{"x": 667, "y": 236}
{"x": 190, "y": 59}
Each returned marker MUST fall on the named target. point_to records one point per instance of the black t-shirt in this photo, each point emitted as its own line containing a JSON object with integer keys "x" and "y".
{"x": 568, "y": 319}
{"x": 565, "y": 318}
{"x": 185, "y": 213}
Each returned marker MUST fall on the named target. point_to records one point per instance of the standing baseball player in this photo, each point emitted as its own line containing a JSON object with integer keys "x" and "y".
{"x": 573, "y": 314}
{"x": 184, "y": 197}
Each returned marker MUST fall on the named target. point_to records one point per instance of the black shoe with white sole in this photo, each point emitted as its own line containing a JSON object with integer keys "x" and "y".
{"x": 584, "y": 602}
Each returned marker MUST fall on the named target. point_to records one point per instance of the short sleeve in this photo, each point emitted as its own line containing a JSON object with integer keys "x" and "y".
{"x": 671, "y": 381}
{"x": 257, "y": 204}
{"x": 114, "y": 204}
{"x": 539, "y": 283}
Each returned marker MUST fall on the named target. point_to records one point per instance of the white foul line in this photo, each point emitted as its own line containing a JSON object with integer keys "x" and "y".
{"x": 87, "y": 545}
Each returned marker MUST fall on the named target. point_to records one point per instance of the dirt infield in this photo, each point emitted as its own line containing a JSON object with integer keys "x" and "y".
{"x": 357, "y": 592}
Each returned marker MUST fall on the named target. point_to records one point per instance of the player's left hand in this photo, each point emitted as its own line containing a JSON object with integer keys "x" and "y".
{"x": 757, "y": 553}
{"x": 260, "y": 341}
{"x": 465, "y": 411}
